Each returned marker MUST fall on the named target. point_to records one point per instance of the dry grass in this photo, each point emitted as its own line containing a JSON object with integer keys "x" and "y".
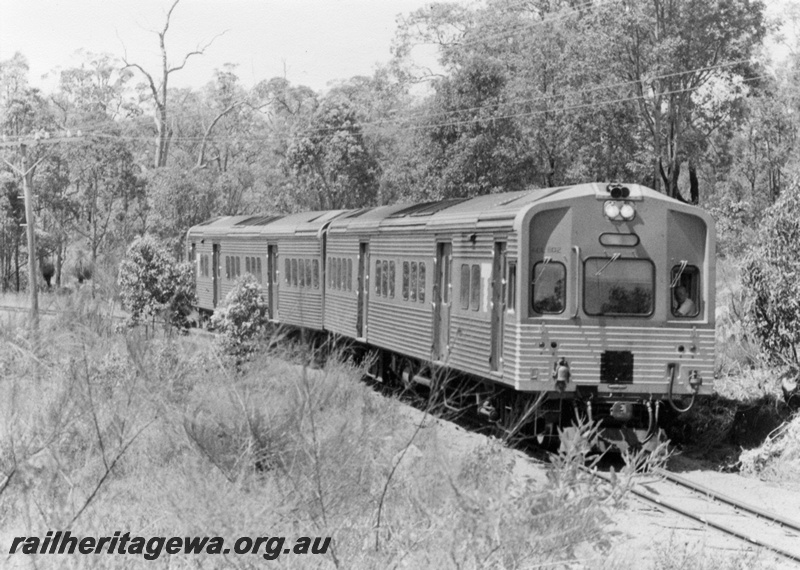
{"x": 157, "y": 436}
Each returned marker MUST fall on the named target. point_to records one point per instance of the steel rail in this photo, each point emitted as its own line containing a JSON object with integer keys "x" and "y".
{"x": 795, "y": 557}
{"x": 739, "y": 505}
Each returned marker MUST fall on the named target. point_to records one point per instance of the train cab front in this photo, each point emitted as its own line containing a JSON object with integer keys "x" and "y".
{"x": 620, "y": 323}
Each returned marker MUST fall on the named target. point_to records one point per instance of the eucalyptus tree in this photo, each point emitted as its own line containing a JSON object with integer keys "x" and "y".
{"x": 157, "y": 86}
{"x": 521, "y": 100}
{"x": 94, "y": 92}
{"x": 107, "y": 187}
{"x": 12, "y": 216}
{"x": 667, "y": 51}
{"x": 384, "y": 107}
{"x": 329, "y": 161}
{"x": 25, "y": 113}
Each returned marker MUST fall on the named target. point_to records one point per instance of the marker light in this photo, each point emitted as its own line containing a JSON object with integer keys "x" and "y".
{"x": 627, "y": 211}
{"x": 611, "y": 210}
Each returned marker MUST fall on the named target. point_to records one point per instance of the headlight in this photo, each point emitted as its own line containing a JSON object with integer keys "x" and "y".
{"x": 627, "y": 211}
{"x": 611, "y": 209}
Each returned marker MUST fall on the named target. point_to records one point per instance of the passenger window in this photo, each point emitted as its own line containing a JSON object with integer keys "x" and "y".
{"x": 302, "y": 276}
{"x": 391, "y": 279}
{"x": 464, "y": 286}
{"x": 413, "y": 282}
{"x": 421, "y": 283}
{"x": 227, "y": 267}
{"x": 385, "y": 279}
{"x": 511, "y": 302}
{"x": 685, "y": 287}
{"x": 349, "y": 274}
{"x": 405, "y": 280}
{"x": 308, "y": 272}
{"x": 258, "y": 269}
{"x": 287, "y": 274}
{"x": 294, "y": 272}
{"x": 316, "y": 272}
{"x": 548, "y": 293}
{"x": 475, "y": 288}
{"x": 238, "y": 266}
{"x": 378, "y": 274}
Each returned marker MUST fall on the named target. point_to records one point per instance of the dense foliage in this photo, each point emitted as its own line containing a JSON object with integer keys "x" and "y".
{"x": 153, "y": 286}
{"x": 243, "y": 318}
{"x": 772, "y": 275}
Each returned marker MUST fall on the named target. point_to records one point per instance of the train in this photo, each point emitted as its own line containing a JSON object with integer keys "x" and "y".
{"x": 585, "y": 302}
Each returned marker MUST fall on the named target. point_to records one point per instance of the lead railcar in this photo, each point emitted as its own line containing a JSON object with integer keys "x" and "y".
{"x": 593, "y": 300}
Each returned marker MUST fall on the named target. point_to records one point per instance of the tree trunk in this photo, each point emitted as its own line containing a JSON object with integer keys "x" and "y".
{"x": 694, "y": 184}
{"x": 16, "y": 261}
{"x": 59, "y": 264}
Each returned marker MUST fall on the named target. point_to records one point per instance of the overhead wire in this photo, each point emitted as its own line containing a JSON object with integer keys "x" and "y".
{"x": 538, "y": 112}
{"x": 564, "y": 94}
{"x": 415, "y": 127}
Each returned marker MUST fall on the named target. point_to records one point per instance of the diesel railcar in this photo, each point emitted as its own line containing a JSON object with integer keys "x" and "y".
{"x": 594, "y": 301}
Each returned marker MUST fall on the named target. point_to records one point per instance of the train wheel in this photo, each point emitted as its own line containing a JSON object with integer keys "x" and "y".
{"x": 407, "y": 372}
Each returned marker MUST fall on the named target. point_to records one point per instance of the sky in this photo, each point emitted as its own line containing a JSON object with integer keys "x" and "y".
{"x": 310, "y": 42}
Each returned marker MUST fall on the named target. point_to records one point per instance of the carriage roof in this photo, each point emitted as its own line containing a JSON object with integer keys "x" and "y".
{"x": 490, "y": 208}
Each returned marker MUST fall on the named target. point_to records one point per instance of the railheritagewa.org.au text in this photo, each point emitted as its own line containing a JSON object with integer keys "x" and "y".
{"x": 150, "y": 548}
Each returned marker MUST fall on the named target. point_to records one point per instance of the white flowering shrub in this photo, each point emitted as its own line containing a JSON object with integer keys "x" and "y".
{"x": 243, "y": 318}
{"x": 155, "y": 287}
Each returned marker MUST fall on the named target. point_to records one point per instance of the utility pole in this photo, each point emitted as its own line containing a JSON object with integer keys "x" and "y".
{"x": 33, "y": 282}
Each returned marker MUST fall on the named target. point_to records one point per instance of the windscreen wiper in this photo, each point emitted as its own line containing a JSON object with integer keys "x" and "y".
{"x": 610, "y": 261}
{"x": 545, "y": 261}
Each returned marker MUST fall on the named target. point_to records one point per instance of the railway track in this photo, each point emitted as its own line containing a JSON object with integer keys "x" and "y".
{"x": 749, "y": 523}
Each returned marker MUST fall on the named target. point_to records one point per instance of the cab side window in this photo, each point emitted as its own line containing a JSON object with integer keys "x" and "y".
{"x": 548, "y": 291}
{"x": 685, "y": 291}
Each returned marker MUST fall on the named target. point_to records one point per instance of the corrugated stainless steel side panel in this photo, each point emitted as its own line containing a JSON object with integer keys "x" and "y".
{"x": 299, "y": 246}
{"x": 238, "y": 246}
{"x": 403, "y": 327}
{"x": 582, "y": 345}
{"x": 470, "y": 343}
{"x": 341, "y": 307}
{"x": 300, "y": 306}
{"x": 340, "y": 312}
